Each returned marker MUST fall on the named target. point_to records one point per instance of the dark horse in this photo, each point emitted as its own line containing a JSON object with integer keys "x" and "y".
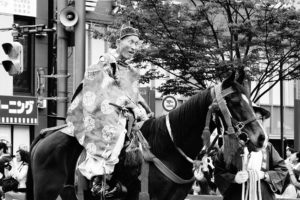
{"x": 54, "y": 156}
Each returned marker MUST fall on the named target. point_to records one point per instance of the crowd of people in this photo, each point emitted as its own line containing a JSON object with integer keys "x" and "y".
{"x": 13, "y": 173}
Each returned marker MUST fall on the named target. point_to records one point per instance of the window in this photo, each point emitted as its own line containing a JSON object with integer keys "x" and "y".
{"x": 272, "y": 125}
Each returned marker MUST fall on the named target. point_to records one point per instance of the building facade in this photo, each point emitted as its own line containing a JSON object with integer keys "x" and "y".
{"x": 16, "y": 91}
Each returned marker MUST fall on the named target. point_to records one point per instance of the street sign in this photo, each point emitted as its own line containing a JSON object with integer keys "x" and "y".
{"x": 18, "y": 110}
{"x": 169, "y": 103}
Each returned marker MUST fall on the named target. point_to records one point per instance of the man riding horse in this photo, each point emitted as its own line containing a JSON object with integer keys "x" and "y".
{"x": 98, "y": 114}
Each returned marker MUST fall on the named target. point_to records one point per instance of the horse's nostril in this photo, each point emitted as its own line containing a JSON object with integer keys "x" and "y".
{"x": 261, "y": 138}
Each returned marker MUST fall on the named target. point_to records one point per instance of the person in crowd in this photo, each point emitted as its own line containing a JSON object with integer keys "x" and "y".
{"x": 96, "y": 115}
{"x": 5, "y": 158}
{"x": 289, "y": 152}
{"x": 19, "y": 171}
{"x": 267, "y": 164}
{"x": 293, "y": 166}
{"x": 295, "y": 161}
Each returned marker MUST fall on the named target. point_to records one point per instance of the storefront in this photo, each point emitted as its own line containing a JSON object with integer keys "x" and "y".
{"x": 20, "y": 119}
{"x": 17, "y": 116}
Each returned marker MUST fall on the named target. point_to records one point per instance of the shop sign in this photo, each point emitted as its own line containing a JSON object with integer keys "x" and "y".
{"x": 18, "y": 7}
{"x": 169, "y": 103}
{"x": 18, "y": 110}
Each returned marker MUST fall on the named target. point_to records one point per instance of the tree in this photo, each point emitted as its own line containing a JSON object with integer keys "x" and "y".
{"x": 200, "y": 41}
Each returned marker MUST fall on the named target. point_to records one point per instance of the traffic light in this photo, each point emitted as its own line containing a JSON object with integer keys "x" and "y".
{"x": 14, "y": 62}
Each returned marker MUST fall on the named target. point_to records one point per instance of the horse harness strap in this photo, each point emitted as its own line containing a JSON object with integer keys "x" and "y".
{"x": 150, "y": 157}
{"x": 171, "y": 136}
{"x": 223, "y": 107}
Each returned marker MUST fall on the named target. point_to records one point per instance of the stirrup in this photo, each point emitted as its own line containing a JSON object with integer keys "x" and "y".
{"x": 99, "y": 187}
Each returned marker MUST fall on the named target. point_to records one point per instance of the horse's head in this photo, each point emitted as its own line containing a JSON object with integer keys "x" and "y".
{"x": 241, "y": 125}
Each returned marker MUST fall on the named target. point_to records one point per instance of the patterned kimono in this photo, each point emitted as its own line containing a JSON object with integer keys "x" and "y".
{"x": 270, "y": 162}
{"x": 94, "y": 117}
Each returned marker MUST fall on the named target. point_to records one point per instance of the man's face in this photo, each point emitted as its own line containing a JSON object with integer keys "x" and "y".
{"x": 127, "y": 46}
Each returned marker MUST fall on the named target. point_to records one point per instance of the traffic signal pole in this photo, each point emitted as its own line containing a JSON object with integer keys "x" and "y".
{"x": 297, "y": 116}
{"x": 62, "y": 66}
{"x": 79, "y": 44}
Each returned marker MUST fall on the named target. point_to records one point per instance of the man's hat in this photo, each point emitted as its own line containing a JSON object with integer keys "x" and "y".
{"x": 128, "y": 31}
{"x": 265, "y": 113}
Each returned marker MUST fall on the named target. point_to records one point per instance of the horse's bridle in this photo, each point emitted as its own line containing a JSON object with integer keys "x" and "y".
{"x": 218, "y": 103}
{"x": 232, "y": 124}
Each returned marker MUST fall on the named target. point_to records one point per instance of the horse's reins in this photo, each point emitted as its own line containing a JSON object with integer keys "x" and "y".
{"x": 218, "y": 103}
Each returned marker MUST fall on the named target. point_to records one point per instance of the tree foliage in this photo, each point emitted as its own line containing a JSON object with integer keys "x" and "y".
{"x": 200, "y": 41}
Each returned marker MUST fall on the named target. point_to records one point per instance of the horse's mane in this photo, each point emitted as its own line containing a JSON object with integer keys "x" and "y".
{"x": 185, "y": 120}
{"x": 193, "y": 111}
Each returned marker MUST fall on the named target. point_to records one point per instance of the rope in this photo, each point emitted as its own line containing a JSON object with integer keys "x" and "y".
{"x": 253, "y": 190}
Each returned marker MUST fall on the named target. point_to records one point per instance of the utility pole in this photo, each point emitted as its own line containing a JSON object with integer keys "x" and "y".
{"x": 297, "y": 116}
{"x": 62, "y": 66}
{"x": 79, "y": 44}
{"x": 281, "y": 110}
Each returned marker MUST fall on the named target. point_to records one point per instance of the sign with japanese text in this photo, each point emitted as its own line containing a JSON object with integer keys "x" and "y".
{"x": 18, "y": 110}
{"x": 18, "y": 7}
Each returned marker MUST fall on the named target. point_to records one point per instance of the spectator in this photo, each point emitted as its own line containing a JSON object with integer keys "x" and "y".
{"x": 293, "y": 165}
{"x": 5, "y": 158}
{"x": 289, "y": 152}
{"x": 19, "y": 172}
{"x": 295, "y": 161}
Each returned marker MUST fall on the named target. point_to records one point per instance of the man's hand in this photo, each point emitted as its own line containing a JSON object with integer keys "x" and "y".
{"x": 241, "y": 177}
{"x": 289, "y": 166}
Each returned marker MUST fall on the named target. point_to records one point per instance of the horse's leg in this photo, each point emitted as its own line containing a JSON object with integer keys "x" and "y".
{"x": 74, "y": 150}
{"x": 51, "y": 165}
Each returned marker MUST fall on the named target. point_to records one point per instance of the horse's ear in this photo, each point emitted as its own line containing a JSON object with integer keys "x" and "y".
{"x": 228, "y": 81}
{"x": 241, "y": 76}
